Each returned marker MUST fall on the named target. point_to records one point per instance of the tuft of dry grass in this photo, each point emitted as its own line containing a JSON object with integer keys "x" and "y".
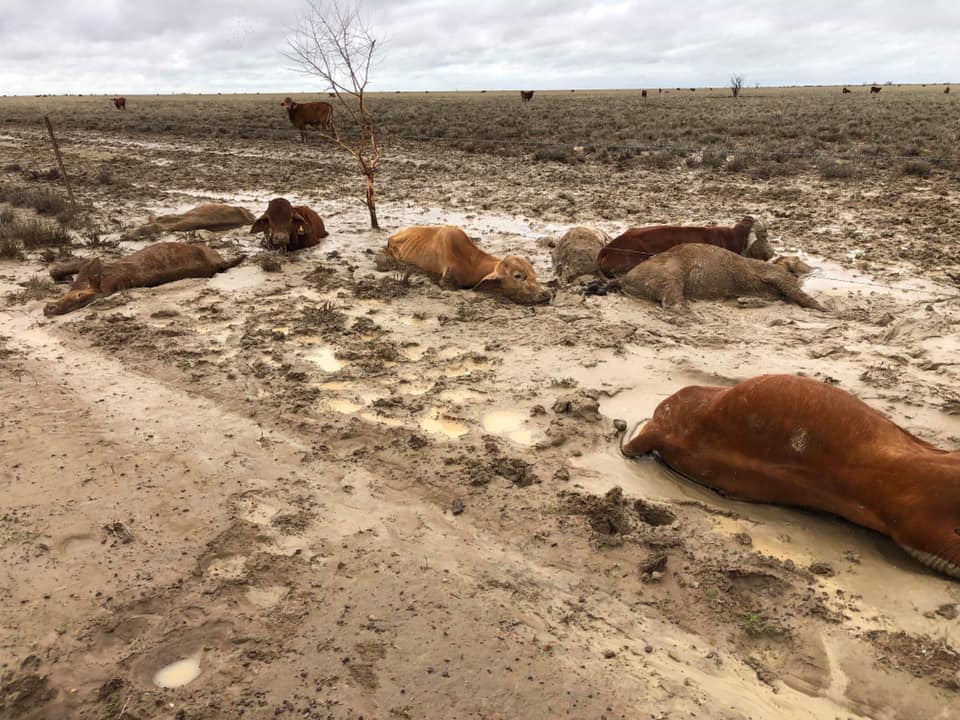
{"x": 917, "y": 168}
{"x": 30, "y": 233}
{"x": 36, "y": 288}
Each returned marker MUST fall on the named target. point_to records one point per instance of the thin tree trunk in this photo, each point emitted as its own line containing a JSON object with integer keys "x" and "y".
{"x": 372, "y": 203}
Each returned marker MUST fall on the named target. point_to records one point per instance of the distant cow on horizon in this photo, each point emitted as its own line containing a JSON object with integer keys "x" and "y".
{"x": 846, "y": 91}
{"x": 312, "y": 113}
{"x": 946, "y": 91}
{"x": 874, "y": 89}
{"x": 643, "y": 93}
{"x": 526, "y": 95}
{"x": 120, "y": 103}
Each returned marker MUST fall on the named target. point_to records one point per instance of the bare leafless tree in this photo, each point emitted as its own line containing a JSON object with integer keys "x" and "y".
{"x": 736, "y": 83}
{"x": 333, "y": 41}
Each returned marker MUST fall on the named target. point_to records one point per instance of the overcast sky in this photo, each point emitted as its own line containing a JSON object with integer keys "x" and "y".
{"x": 164, "y": 46}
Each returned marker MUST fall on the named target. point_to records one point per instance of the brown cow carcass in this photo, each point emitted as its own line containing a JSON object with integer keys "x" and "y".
{"x": 748, "y": 237}
{"x": 154, "y": 265}
{"x": 120, "y": 103}
{"x": 795, "y": 441}
{"x": 526, "y": 95}
{"x": 209, "y": 216}
{"x": 446, "y": 253}
{"x": 706, "y": 272}
{"x": 575, "y": 254}
{"x": 289, "y": 227}
{"x": 318, "y": 114}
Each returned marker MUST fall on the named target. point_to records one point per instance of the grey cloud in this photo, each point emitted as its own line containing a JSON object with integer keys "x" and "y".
{"x": 236, "y": 45}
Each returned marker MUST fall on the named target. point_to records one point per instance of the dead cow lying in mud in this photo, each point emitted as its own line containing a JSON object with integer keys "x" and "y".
{"x": 289, "y": 227}
{"x": 706, "y": 272}
{"x": 748, "y": 238}
{"x": 445, "y": 252}
{"x": 795, "y": 441}
{"x": 576, "y": 253}
{"x": 211, "y": 216}
{"x": 154, "y": 265}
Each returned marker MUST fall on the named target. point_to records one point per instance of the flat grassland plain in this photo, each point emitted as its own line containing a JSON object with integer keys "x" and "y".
{"x": 336, "y": 494}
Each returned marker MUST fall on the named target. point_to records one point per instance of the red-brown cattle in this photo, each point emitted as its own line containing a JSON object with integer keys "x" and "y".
{"x": 312, "y": 113}
{"x": 120, "y": 103}
{"x": 154, "y": 265}
{"x": 946, "y": 91}
{"x": 795, "y": 441}
{"x": 643, "y": 93}
{"x": 445, "y": 252}
{"x": 526, "y": 95}
{"x": 289, "y": 227}
{"x": 748, "y": 238}
{"x": 846, "y": 91}
{"x": 874, "y": 89}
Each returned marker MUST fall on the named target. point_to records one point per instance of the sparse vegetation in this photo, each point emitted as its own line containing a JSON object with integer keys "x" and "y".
{"x": 836, "y": 170}
{"x": 917, "y": 168}
{"x": 17, "y": 233}
{"x": 736, "y": 84}
{"x": 37, "y": 287}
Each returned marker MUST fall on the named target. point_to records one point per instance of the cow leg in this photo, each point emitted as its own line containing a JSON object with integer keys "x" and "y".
{"x": 790, "y": 289}
{"x": 671, "y": 293}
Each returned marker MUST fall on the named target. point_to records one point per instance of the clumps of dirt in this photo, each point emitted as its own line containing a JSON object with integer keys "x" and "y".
{"x": 385, "y": 288}
{"x": 923, "y": 657}
{"x": 118, "y": 332}
{"x": 270, "y": 262}
{"x": 21, "y": 694}
{"x": 615, "y": 519}
{"x": 518, "y": 472}
{"x": 583, "y": 405}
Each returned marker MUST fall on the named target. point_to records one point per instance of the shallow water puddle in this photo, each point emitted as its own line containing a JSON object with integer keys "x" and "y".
{"x": 834, "y": 279}
{"x": 179, "y": 673}
{"x": 238, "y": 278}
{"x": 459, "y": 396}
{"x": 465, "y": 368}
{"x": 436, "y": 423}
{"x": 342, "y": 406}
{"x": 325, "y": 359}
{"x": 509, "y": 424}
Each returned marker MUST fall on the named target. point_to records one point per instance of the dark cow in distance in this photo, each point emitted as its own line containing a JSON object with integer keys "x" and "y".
{"x": 120, "y": 103}
{"x": 748, "y": 238}
{"x": 874, "y": 89}
{"x": 946, "y": 91}
{"x": 312, "y": 113}
{"x": 289, "y": 227}
{"x": 846, "y": 91}
{"x": 526, "y": 95}
{"x": 643, "y": 93}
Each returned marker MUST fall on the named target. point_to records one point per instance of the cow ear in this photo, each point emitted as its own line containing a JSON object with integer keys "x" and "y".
{"x": 494, "y": 276}
{"x": 260, "y": 225}
{"x": 91, "y": 271}
{"x": 300, "y": 223}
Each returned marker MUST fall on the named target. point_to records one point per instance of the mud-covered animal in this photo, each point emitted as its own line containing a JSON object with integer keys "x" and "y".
{"x": 794, "y": 441}
{"x": 154, "y": 265}
{"x": 707, "y": 272}
{"x": 793, "y": 264}
{"x": 318, "y": 114}
{"x": 210, "y": 216}
{"x": 576, "y": 253}
{"x": 446, "y": 253}
{"x": 636, "y": 245}
{"x": 289, "y": 227}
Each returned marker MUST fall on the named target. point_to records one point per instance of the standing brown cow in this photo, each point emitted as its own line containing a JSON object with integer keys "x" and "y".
{"x": 120, "y": 103}
{"x": 526, "y": 95}
{"x": 312, "y": 113}
{"x": 643, "y": 93}
{"x": 946, "y": 91}
{"x": 875, "y": 89}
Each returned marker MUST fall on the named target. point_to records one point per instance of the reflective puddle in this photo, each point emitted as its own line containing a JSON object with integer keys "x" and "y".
{"x": 436, "y": 423}
{"x": 511, "y": 425}
{"x": 179, "y": 673}
{"x": 325, "y": 359}
{"x": 238, "y": 278}
{"x": 342, "y": 406}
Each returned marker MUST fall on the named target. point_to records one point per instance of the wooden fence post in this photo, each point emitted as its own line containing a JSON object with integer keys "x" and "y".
{"x": 63, "y": 170}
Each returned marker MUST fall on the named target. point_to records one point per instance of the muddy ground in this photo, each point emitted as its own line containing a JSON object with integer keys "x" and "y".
{"x": 336, "y": 494}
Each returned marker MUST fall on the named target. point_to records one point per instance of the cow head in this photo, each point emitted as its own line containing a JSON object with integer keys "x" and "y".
{"x": 757, "y": 245}
{"x": 516, "y": 279}
{"x": 85, "y": 289}
{"x": 279, "y": 224}
{"x": 288, "y": 104}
